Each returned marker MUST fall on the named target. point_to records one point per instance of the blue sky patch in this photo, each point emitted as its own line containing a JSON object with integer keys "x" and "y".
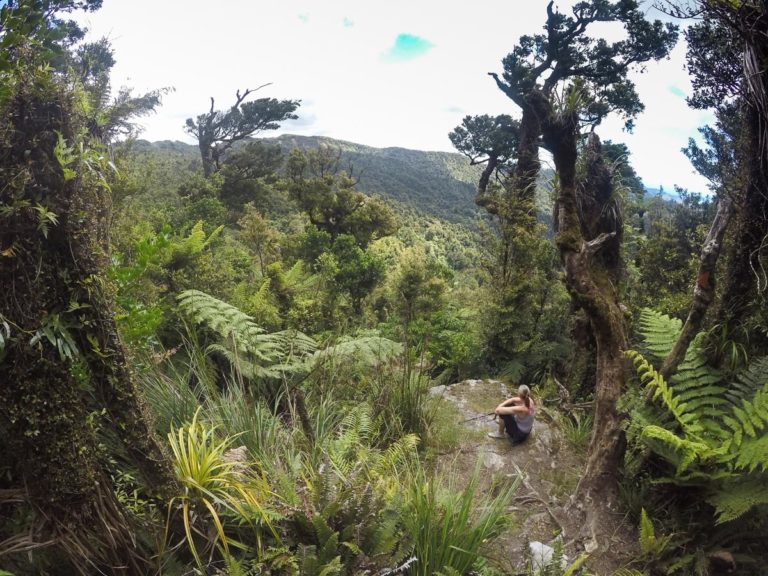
{"x": 407, "y": 47}
{"x": 676, "y": 91}
{"x": 347, "y": 22}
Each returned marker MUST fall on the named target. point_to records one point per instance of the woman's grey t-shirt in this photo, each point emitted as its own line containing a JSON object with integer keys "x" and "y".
{"x": 525, "y": 423}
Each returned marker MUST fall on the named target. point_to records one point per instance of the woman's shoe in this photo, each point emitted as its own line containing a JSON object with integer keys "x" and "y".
{"x": 497, "y": 436}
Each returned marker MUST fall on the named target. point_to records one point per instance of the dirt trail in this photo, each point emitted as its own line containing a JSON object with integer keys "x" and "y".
{"x": 549, "y": 470}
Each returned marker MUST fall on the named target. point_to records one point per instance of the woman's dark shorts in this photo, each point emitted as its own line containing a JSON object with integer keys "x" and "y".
{"x": 510, "y": 424}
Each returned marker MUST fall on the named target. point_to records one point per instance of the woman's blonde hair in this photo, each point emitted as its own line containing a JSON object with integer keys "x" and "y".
{"x": 525, "y": 393}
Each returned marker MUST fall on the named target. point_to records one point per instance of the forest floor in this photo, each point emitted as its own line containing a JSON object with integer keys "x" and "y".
{"x": 549, "y": 469}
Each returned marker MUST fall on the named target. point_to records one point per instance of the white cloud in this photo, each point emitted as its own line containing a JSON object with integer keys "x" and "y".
{"x": 328, "y": 54}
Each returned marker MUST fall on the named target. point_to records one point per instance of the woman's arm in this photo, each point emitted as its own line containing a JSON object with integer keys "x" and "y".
{"x": 513, "y": 406}
{"x": 511, "y": 402}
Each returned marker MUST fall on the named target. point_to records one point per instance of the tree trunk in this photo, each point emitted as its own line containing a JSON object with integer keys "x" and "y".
{"x": 101, "y": 346}
{"x": 704, "y": 290}
{"x": 528, "y": 166}
{"x": 581, "y": 368}
{"x": 54, "y": 299}
{"x": 593, "y": 291}
{"x": 206, "y": 156}
{"x": 745, "y": 275}
{"x": 53, "y": 453}
{"x": 481, "y": 198}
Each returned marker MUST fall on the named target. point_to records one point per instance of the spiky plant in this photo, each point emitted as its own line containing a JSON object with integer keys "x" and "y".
{"x": 449, "y": 527}
{"x": 217, "y": 488}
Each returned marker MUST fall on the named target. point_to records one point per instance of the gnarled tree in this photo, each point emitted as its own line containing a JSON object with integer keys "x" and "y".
{"x": 217, "y": 131}
{"x": 564, "y": 80}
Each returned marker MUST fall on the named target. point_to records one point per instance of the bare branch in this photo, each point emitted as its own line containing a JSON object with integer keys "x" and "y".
{"x": 704, "y": 290}
{"x": 593, "y": 246}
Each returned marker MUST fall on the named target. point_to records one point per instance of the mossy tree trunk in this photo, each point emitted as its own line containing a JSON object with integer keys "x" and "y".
{"x": 594, "y": 291}
{"x": 745, "y": 275}
{"x": 63, "y": 360}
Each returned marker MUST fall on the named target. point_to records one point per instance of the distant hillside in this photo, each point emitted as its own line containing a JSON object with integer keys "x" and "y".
{"x": 437, "y": 183}
{"x": 440, "y": 184}
{"x": 666, "y": 194}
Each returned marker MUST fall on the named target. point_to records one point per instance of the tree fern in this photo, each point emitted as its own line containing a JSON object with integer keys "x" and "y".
{"x": 367, "y": 350}
{"x": 246, "y": 346}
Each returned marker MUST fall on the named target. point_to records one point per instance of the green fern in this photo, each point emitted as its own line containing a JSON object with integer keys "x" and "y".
{"x": 748, "y": 447}
{"x": 650, "y": 544}
{"x": 714, "y": 434}
{"x": 679, "y": 451}
{"x": 699, "y": 388}
{"x": 244, "y": 344}
{"x": 749, "y": 381}
{"x": 734, "y": 499}
{"x": 659, "y": 332}
{"x": 657, "y": 389}
{"x": 367, "y": 350}
{"x": 697, "y": 391}
{"x": 182, "y": 250}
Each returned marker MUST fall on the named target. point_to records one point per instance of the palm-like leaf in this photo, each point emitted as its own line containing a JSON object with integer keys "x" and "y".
{"x": 245, "y": 345}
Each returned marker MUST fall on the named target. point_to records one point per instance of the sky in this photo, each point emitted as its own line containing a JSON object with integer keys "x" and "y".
{"x": 396, "y": 73}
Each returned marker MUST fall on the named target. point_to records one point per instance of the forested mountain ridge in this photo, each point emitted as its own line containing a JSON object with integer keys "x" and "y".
{"x": 441, "y": 184}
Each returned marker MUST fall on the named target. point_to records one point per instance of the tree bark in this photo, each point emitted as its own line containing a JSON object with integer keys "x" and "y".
{"x": 206, "y": 156}
{"x": 51, "y": 448}
{"x": 54, "y": 296}
{"x": 481, "y": 198}
{"x": 593, "y": 291}
{"x": 704, "y": 290}
{"x": 535, "y": 109}
{"x": 85, "y": 228}
{"x": 745, "y": 275}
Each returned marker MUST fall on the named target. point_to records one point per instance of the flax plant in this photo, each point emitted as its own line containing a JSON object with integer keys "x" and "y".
{"x": 214, "y": 482}
{"x": 449, "y": 528}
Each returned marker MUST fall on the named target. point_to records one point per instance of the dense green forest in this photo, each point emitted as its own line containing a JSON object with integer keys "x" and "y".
{"x": 218, "y": 359}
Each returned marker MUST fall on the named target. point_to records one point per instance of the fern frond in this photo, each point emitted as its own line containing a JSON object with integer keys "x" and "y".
{"x": 695, "y": 391}
{"x": 368, "y": 350}
{"x": 397, "y": 453}
{"x": 677, "y": 450}
{"x": 223, "y": 318}
{"x": 295, "y": 274}
{"x": 749, "y": 381}
{"x": 658, "y": 389}
{"x": 659, "y": 331}
{"x": 747, "y": 448}
{"x": 244, "y": 343}
{"x": 735, "y": 499}
{"x": 647, "y": 533}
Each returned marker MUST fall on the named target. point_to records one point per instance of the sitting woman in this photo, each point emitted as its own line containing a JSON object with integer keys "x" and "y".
{"x": 516, "y": 416}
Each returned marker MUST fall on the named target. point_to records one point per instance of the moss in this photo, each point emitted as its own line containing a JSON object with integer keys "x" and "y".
{"x": 569, "y": 239}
